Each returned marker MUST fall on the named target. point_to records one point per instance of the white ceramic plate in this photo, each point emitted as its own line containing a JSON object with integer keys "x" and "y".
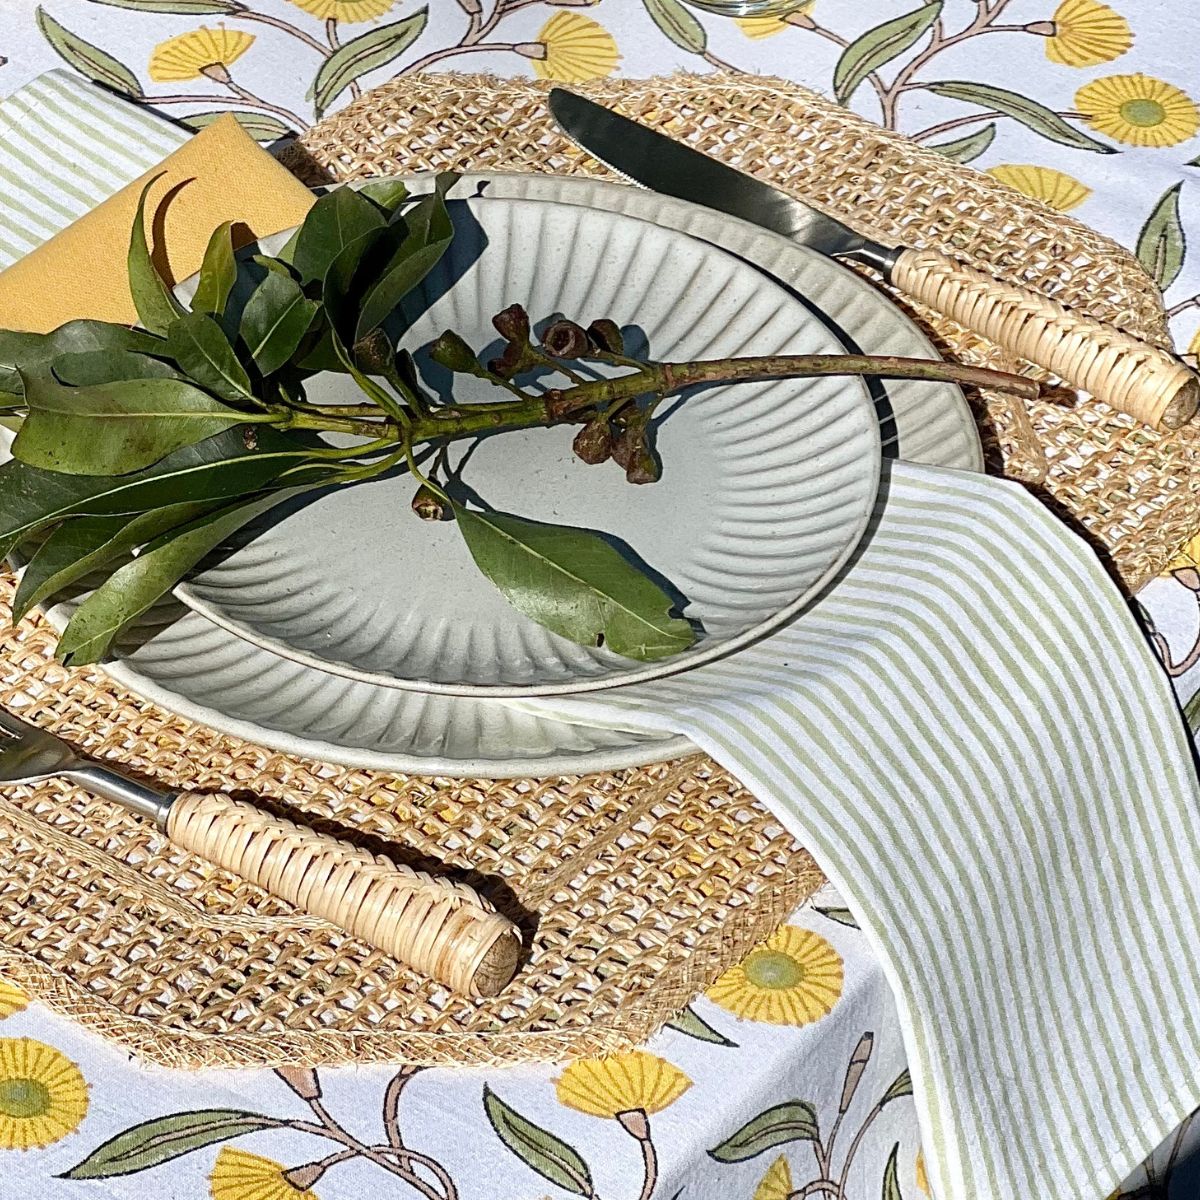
{"x": 766, "y": 488}
{"x": 183, "y": 662}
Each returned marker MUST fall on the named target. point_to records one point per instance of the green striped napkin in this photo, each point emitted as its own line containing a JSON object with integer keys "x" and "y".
{"x": 970, "y": 734}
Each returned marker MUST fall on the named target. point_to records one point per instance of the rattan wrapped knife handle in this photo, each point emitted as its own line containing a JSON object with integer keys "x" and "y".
{"x": 1126, "y": 373}
{"x": 441, "y": 928}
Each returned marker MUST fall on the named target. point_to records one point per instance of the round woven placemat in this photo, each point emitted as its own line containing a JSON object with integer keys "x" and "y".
{"x": 1134, "y": 493}
{"x": 635, "y": 889}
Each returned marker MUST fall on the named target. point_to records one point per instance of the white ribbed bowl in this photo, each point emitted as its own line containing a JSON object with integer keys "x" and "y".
{"x": 766, "y": 489}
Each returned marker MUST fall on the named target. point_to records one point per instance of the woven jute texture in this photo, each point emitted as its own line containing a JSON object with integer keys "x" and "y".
{"x": 1134, "y": 493}
{"x": 633, "y": 891}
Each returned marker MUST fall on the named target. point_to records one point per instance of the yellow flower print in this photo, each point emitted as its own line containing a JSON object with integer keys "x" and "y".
{"x": 200, "y": 52}
{"x": 240, "y": 1175}
{"x": 346, "y": 11}
{"x": 12, "y": 999}
{"x": 1051, "y": 187}
{"x": 776, "y": 1184}
{"x": 621, "y": 1083}
{"x": 573, "y": 48}
{"x": 793, "y": 978}
{"x": 1084, "y": 33}
{"x": 43, "y": 1097}
{"x": 1138, "y": 110}
{"x": 765, "y": 27}
{"x": 919, "y": 1172}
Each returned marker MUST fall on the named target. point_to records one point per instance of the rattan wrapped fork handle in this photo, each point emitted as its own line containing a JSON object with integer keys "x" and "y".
{"x": 1128, "y": 374}
{"x": 440, "y": 928}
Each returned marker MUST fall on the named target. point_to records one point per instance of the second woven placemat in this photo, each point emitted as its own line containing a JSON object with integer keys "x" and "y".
{"x": 1134, "y": 493}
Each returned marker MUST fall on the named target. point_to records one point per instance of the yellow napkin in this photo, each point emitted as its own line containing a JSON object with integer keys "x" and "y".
{"x": 221, "y": 174}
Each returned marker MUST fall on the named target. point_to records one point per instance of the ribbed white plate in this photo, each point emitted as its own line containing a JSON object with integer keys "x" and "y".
{"x": 766, "y": 487}
{"x": 180, "y": 660}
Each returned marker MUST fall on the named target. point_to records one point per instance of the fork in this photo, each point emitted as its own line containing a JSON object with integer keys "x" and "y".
{"x": 440, "y": 927}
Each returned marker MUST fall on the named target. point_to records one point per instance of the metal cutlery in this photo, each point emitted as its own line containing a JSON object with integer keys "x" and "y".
{"x": 435, "y": 925}
{"x": 1125, "y": 372}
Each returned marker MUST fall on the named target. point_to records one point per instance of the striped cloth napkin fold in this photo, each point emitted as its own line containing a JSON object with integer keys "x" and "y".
{"x": 970, "y": 734}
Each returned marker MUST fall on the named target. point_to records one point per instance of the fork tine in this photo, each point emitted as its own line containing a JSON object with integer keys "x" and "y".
{"x": 13, "y": 725}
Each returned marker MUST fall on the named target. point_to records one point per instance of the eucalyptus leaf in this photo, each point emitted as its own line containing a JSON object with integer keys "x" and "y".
{"x": 82, "y": 545}
{"x": 115, "y": 428}
{"x": 90, "y": 61}
{"x": 353, "y": 59}
{"x": 155, "y": 302}
{"x": 538, "y": 1148}
{"x": 262, "y": 127}
{"x": 218, "y": 271}
{"x": 891, "y": 1176}
{"x": 678, "y": 24}
{"x": 792, "y": 1121}
{"x": 428, "y": 233}
{"x": 574, "y": 583}
{"x": 337, "y": 219}
{"x": 221, "y": 468}
{"x": 164, "y": 1138}
{"x": 879, "y": 46}
{"x": 274, "y": 321}
{"x": 90, "y": 367}
{"x": 1162, "y": 244}
{"x": 968, "y": 148}
{"x": 133, "y": 588}
{"x": 199, "y": 345}
{"x": 1030, "y": 113}
{"x": 33, "y": 351}
{"x": 689, "y": 1021}
{"x": 389, "y": 194}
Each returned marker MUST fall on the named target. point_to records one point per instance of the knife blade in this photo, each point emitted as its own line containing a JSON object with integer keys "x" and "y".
{"x": 1125, "y": 372}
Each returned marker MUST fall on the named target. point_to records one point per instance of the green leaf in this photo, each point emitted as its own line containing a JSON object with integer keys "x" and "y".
{"x": 198, "y": 344}
{"x": 792, "y": 1121}
{"x": 133, "y": 588}
{"x": 155, "y": 302}
{"x": 262, "y": 127}
{"x": 843, "y": 916}
{"x": 880, "y": 46}
{"x": 690, "y": 1022}
{"x": 678, "y": 24}
{"x": 1030, "y": 113}
{"x": 1162, "y": 244}
{"x": 82, "y": 545}
{"x": 1191, "y": 713}
{"x": 115, "y": 428}
{"x": 220, "y": 468}
{"x": 375, "y": 48}
{"x": 165, "y": 1138}
{"x": 90, "y": 61}
{"x": 91, "y": 367}
{"x": 188, "y": 8}
{"x": 574, "y": 583}
{"x": 538, "y": 1148}
{"x": 967, "y": 149}
{"x": 275, "y": 319}
{"x": 218, "y": 271}
{"x": 387, "y": 193}
{"x": 891, "y": 1180}
{"x": 902, "y": 1086}
{"x": 33, "y": 351}
{"x": 339, "y": 218}
{"x": 428, "y": 234}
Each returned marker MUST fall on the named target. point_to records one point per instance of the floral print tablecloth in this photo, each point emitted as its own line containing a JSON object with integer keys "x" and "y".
{"x": 786, "y": 1080}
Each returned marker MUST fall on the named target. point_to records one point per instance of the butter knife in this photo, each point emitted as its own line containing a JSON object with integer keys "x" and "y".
{"x": 1131, "y": 375}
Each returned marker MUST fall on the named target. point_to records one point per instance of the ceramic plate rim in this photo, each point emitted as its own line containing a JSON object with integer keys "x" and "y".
{"x": 871, "y": 469}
